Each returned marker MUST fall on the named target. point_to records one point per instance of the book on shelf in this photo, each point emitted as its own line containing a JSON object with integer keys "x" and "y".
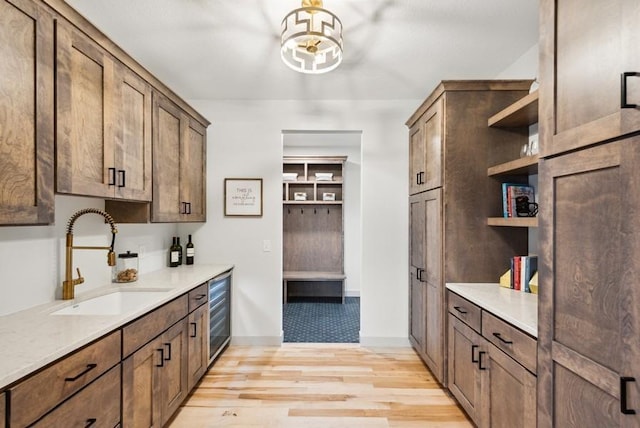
{"x": 523, "y": 268}
{"x": 510, "y": 191}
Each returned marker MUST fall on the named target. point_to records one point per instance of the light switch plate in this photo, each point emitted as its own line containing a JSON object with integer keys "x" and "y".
{"x": 266, "y": 245}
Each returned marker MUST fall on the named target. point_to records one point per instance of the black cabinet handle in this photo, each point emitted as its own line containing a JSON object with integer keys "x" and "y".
{"x": 82, "y": 373}
{"x": 473, "y": 353}
{"x": 419, "y": 273}
{"x": 161, "y": 357}
{"x": 506, "y": 342}
{"x": 121, "y": 176}
{"x": 480, "y": 354}
{"x": 195, "y": 329}
{"x": 623, "y": 395}
{"x": 623, "y": 89}
{"x": 168, "y": 356}
{"x": 188, "y": 207}
{"x": 90, "y": 422}
{"x": 200, "y": 296}
{"x": 459, "y": 309}
{"x": 112, "y": 176}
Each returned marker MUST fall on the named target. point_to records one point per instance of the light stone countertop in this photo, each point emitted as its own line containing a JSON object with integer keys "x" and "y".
{"x": 32, "y": 338}
{"x": 517, "y": 308}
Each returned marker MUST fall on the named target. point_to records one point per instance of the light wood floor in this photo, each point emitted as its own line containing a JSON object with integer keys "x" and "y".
{"x": 319, "y": 386}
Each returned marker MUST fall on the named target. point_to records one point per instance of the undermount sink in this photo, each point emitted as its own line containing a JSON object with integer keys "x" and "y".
{"x": 116, "y": 303}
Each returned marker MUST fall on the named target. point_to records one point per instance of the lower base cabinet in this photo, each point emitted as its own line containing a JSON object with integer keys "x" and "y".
{"x": 3, "y": 410}
{"x": 492, "y": 387}
{"x": 97, "y": 405}
{"x": 198, "y": 345}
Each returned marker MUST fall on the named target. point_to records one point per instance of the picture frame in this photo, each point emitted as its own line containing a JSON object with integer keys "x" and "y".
{"x": 243, "y": 197}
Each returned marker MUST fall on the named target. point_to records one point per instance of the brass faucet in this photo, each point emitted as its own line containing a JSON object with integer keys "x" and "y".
{"x": 68, "y": 285}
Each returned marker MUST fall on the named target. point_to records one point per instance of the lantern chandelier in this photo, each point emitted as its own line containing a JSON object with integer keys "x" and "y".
{"x": 311, "y": 39}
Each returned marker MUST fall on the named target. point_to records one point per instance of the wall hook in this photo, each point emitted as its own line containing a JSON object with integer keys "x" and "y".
{"x": 314, "y": 211}
{"x": 301, "y": 211}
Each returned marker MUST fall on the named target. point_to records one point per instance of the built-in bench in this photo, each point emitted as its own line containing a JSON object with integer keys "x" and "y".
{"x": 319, "y": 278}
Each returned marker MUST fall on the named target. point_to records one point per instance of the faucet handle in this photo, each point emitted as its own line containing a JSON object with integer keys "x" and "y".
{"x": 80, "y": 279}
{"x": 111, "y": 258}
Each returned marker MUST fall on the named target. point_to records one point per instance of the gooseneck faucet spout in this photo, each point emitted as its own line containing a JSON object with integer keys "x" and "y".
{"x": 69, "y": 283}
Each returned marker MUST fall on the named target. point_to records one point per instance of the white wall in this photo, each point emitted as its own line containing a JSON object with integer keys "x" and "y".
{"x": 245, "y": 141}
{"x": 339, "y": 144}
{"x": 32, "y": 257}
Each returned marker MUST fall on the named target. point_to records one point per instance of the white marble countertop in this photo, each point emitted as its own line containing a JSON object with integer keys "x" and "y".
{"x": 517, "y": 308}
{"x": 33, "y": 338}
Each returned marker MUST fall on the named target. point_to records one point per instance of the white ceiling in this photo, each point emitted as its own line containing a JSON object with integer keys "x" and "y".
{"x": 393, "y": 49}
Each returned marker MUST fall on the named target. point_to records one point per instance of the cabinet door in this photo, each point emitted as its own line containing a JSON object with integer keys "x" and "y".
{"x": 463, "y": 372}
{"x": 198, "y": 344}
{"x": 435, "y": 304}
{"x": 3, "y": 410}
{"x": 132, "y": 157}
{"x": 508, "y": 392}
{"x": 168, "y": 128}
{"x": 416, "y": 159}
{"x": 417, "y": 291}
{"x": 85, "y": 116}
{"x": 193, "y": 173}
{"x": 141, "y": 386}
{"x": 97, "y": 405}
{"x": 174, "y": 372}
{"x": 585, "y": 50}
{"x": 432, "y": 129}
{"x": 589, "y": 269}
{"x": 26, "y": 113}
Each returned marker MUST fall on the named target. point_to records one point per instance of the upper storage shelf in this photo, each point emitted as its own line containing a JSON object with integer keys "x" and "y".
{"x": 521, "y": 113}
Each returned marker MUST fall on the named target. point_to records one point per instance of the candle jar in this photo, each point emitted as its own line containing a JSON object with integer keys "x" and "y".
{"x": 126, "y": 268}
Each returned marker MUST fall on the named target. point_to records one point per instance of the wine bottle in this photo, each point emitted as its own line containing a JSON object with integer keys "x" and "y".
{"x": 191, "y": 252}
{"x": 174, "y": 254}
{"x": 179, "y": 250}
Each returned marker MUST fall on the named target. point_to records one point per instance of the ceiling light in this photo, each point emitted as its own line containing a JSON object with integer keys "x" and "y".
{"x": 311, "y": 39}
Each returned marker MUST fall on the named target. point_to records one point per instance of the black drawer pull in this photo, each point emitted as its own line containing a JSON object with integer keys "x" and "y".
{"x": 623, "y": 395}
{"x": 161, "y": 357}
{"x": 168, "y": 345}
{"x": 82, "y": 373}
{"x": 90, "y": 422}
{"x": 506, "y": 342}
{"x": 419, "y": 274}
{"x": 121, "y": 173}
{"x": 195, "y": 329}
{"x": 459, "y": 309}
{"x": 473, "y": 353}
{"x": 112, "y": 176}
{"x": 623, "y": 89}
{"x": 200, "y": 296}
{"x": 480, "y": 354}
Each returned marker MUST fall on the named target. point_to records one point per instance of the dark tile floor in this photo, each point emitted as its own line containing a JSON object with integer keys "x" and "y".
{"x": 317, "y": 320}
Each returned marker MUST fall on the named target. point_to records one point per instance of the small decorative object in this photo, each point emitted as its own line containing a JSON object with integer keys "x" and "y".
{"x": 126, "y": 268}
{"x": 243, "y": 197}
{"x": 505, "y": 279}
{"x": 328, "y": 196}
{"x": 289, "y": 176}
{"x": 524, "y": 150}
{"x": 533, "y": 283}
{"x": 324, "y": 176}
{"x": 533, "y": 146}
{"x": 524, "y": 208}
{"x": 299, "y": 196}
{"x": 534, "y": 85}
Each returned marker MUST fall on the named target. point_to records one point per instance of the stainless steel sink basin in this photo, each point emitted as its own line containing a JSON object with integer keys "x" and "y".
{"x": 116, "y": 303}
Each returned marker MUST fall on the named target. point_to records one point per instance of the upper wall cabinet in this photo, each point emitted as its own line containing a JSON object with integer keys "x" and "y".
{"x": 26, "y": 113}
{"x": 104, "y": 122}
{"x": 179, "y": 164}
{"x": 594, "y": 47}
{"x": 425, "y": 147}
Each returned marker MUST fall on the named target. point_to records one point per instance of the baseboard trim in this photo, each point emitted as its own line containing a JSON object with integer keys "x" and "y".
{"x": 385, "y": 342}
{"x": 256, "y": 340}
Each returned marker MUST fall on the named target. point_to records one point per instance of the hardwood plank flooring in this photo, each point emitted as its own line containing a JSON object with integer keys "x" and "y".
{"x": 319, "y": 386}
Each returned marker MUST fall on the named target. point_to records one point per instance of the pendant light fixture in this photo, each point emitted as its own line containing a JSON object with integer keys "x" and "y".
{"x": 311, "y": 39}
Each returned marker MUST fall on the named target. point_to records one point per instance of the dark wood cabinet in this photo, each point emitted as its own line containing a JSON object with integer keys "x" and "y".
{"x": 3, "y": 410}
{"x": 590, "y": 247}
{"x": 174, "y": 373}
{"x": 179, "y": 164}
{"x": 198, "y": 345}
{"x": 26, "y": 113}
{"x": 450, "y": 240}
{"x": 103, "y": 115}
{"x": 585, "y": 51}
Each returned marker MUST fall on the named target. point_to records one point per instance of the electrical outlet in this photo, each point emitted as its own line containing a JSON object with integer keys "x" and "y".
{"x": 266, "y": 245}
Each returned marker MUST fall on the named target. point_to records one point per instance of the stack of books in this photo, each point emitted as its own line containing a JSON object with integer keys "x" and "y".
{"x": 523, "y": 269}
{"x": 509, "y": 194}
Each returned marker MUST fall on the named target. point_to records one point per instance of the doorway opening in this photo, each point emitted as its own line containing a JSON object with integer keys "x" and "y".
{"x": 321, "y": 250}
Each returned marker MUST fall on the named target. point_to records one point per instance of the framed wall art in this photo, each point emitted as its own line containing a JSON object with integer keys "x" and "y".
{"x": 243, "y": 197}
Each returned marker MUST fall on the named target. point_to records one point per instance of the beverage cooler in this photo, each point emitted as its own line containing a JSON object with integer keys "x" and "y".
{"x": 219, "y": 314}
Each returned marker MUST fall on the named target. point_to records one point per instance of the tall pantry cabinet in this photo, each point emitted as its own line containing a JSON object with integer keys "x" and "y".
{"x": 589, "y": 302}
{"x": 451, "y": 198}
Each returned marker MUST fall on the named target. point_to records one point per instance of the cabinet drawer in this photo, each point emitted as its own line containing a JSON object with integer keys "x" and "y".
{"x": 520, "y": 346}
{"x": 143, "y": 330}
{"x": 98, "y": 405}
{"x": 464, "y": 310}
{"x": 40, "y": 393}
{"x": 198, "y": 296}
